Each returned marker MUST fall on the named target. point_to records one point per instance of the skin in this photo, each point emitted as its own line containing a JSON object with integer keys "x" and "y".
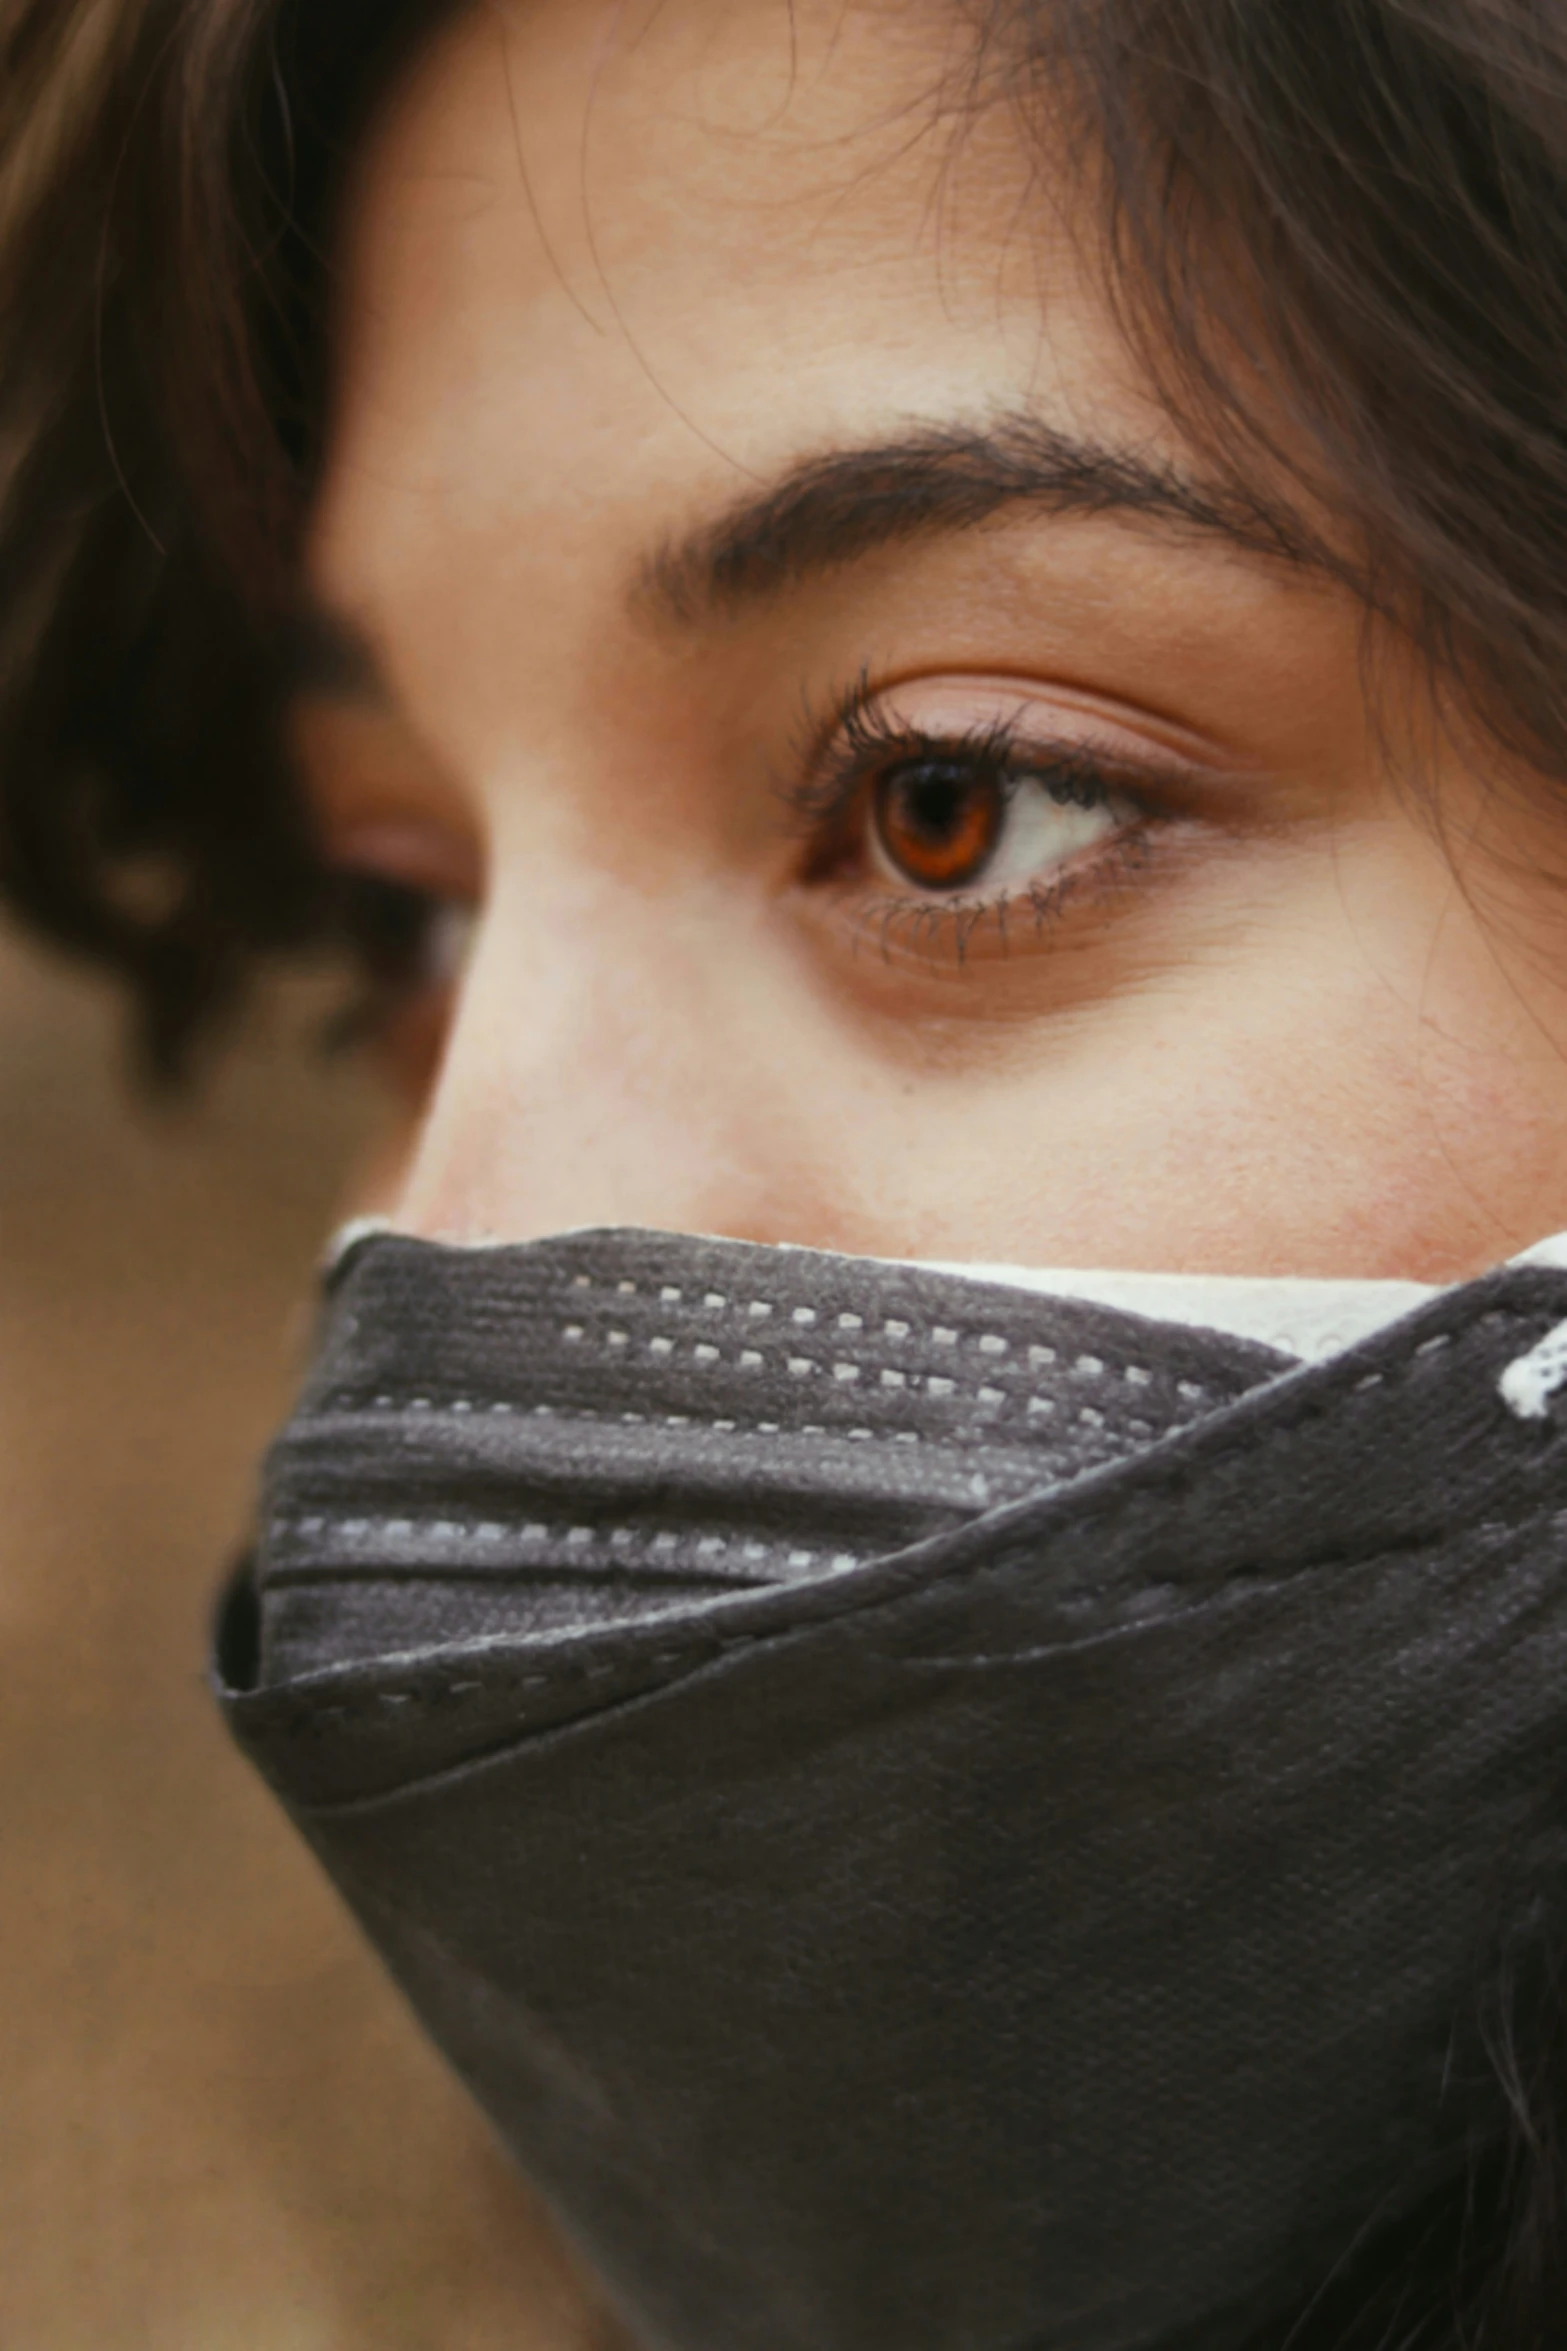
{"x": 611, "y": 275}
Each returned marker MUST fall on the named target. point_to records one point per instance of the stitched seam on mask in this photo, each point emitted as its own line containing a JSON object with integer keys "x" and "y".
{"x": 934, "y": 1385}
{"x": 1093, "y": 1367}
{"x": 566, "y": 1414}
{"x": 1175, "y": 1603}
{"x": 713, "y": 1645}
{"x": 505, "y": 1685}
{"x": 809, "y": 1317}
{"x": 1312, "y": 1411}
{"x": 843, "y": 1368}
{"x": 467, "y": 1407}
{"x": 585, "y": 1542}
{"x": 1178, "y": 1480}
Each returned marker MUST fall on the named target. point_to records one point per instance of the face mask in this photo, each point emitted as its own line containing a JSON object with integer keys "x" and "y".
{"x": 934, "y": 1814}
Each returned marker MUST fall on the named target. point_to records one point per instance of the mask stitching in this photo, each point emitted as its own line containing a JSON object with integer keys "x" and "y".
{"x": 1177, "y": 1485}
{"x": 991, "y": 1343}
{"x": 807, "y": 1317}
{"x": 464, "y": 1407}
{"x": 845, "y": 1368}
{"x": 574, "y": 1538}
{"x": 845, "y": 1373}
{"x": 692, "y": 1657}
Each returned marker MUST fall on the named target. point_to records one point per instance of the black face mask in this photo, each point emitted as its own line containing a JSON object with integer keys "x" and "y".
{"x": 933, "y": 1818}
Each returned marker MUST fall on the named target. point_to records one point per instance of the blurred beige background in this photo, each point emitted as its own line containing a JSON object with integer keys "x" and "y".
{"x": 216, "y": 2127}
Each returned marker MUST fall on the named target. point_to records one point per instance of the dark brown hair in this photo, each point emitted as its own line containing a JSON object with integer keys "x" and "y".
{"x": 166, "y": 176}
{"x": 1337, "y": 231}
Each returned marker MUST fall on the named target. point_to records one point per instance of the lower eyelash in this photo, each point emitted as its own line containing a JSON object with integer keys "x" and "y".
{"x": 944, "y": 929}
{"x": 401, "y": 944}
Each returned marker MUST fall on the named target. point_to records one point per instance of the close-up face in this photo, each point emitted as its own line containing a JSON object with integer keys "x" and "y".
{"x": 907, "y": 806}
{"x": 783, "y": 1044}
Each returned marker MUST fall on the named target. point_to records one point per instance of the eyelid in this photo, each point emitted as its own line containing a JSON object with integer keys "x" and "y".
{"x": 958, "y": 708}
{"x": 838, "y": 750}
{"x": 382, "y": 805}
{"x": 425, "y": 857}
{"x": 1139, "y": 737}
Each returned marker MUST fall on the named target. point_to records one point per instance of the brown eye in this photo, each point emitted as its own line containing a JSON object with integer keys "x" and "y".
{"x": 938, "y": 821}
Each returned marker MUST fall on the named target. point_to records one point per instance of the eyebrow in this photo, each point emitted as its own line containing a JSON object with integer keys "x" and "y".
{"x": 835, "y": 509}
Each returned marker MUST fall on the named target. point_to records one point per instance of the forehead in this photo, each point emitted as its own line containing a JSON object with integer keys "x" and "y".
{"x": 630, "y": 254}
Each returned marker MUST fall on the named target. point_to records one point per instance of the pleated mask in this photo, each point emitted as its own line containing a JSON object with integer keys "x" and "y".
{"x": 936, "y": 1809}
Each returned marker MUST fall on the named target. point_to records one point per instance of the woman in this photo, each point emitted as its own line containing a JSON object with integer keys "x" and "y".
{"x": 932, "y": 635}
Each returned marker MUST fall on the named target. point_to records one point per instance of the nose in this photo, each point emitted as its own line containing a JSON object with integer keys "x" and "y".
{"x": 613, "y": 1061}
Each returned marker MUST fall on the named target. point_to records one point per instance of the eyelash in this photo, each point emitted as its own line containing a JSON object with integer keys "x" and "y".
{"x": 840, "y": 754}
{"x": 844, "y": 750}
{"x": 390, "y": 930}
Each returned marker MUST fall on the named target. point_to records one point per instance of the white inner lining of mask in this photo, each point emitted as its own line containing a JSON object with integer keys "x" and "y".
{"x": 1307, "y": 1319}
{"x": 1310, "y": 1319}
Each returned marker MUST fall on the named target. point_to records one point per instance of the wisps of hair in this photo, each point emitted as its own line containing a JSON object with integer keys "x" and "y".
{"x": 1337, "y": 235}
{"x": 165, "y": 166}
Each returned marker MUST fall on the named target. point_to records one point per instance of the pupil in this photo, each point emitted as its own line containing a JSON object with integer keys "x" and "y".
{"x": 935, "y": 806}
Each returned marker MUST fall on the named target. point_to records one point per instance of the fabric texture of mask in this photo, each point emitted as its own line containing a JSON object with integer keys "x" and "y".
{"x": 930, "y": 1815}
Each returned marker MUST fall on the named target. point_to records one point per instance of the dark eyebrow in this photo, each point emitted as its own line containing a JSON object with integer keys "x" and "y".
{"x": 834, "y": 509}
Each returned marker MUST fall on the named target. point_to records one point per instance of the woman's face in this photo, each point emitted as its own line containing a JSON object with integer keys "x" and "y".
{"x": 909, "y": 810}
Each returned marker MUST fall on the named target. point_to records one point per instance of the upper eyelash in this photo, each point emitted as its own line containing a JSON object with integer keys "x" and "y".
{"x": 837, "y": 750}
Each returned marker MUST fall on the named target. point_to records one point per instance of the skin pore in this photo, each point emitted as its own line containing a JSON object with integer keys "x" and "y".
{"x": 907, "y": 809}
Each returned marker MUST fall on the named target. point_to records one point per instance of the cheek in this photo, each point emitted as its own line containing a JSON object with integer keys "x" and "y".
{"x": 1366, "y": 1088}
{"x": 1328, "y": 1069}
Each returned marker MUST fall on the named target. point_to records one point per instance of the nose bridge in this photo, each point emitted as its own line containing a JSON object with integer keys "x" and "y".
{"x": 593, "y": 1076}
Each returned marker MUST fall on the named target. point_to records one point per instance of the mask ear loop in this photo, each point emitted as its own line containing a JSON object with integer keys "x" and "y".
{"x": 1529, "y": 1383}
